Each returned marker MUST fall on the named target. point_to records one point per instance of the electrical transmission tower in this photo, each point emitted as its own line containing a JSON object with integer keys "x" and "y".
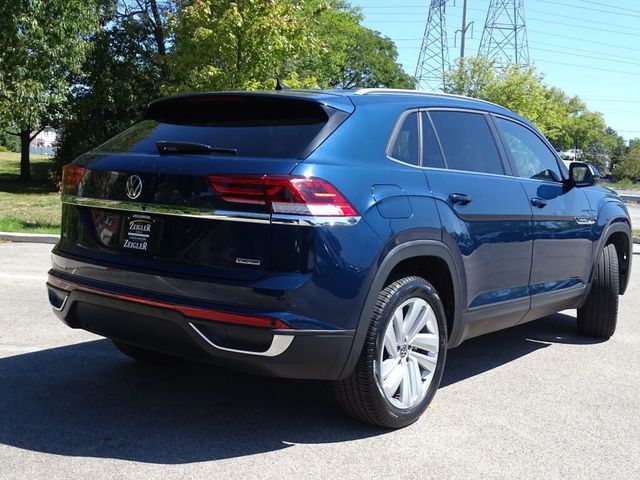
{"x": 434, "y": 53}
{"x": 504, "y": 38}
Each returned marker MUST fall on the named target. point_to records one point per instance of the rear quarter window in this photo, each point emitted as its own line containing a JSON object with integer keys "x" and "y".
{"x": 405, "y": 143}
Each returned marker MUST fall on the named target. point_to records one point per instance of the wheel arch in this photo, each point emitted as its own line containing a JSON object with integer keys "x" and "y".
{"x": 414, "y": 258}
{"x": 618, "y": 232}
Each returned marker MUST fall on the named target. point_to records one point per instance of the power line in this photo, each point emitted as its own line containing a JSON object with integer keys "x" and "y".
{"x": 573, "y": 49}
{"x": 590, "y": 67}
{"x": 611, "y": 97}
{"x": 582, "y": 7}
{"x": 610, "y": 6}
{"x": 565, "y": 24}
{"x": 588, "y": 56}
{"x": 583, "y": 40}
{"x": 586, "y": 20}
{"x": 610, "y": 101}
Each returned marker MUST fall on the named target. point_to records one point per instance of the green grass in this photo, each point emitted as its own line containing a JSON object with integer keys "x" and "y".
{"x": 636, "y": 233}
{"x": 624, "y": 184}
{"x": 25, "y": 226}
{"x": 29, "y": 208}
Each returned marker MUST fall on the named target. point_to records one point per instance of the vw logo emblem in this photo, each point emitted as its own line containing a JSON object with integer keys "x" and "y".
{"x": 134, "y": 187}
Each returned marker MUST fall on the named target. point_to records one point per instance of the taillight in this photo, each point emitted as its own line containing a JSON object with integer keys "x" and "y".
{"x": 285, "y": 194}
{"x": 71, "y": 177}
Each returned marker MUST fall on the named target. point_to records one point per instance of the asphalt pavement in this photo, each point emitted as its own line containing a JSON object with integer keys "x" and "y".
{"x": 535, "y": 401}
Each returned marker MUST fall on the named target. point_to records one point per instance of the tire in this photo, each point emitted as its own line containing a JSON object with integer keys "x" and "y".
{"x": 599, "y": 314}
{"x": 362, "y": 395}
{"x": 144, "y": 355}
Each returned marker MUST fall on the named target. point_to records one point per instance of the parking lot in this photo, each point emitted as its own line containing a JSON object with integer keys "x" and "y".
{"x": 535, "y": 401}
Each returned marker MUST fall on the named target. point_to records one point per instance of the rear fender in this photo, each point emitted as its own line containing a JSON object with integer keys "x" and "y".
{"x": 417, "y": 248}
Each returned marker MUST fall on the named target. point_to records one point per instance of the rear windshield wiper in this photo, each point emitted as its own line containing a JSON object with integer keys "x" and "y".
{"x": 191, "y": 147}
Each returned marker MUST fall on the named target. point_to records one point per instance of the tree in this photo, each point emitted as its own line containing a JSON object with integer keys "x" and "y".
{"x": 519, "y": 89}
{"x": 8, "y": 142}
{"x": 247, "y": 44}
{"x": 240, "y": 45}
{"x": 629, "y": 167}
{"x": 120, "y": 76}
{"x": 472, "y": 77}
{"x": 43, "y": 41}
{"x": 596, "y": 152}
{"x": 370, "y": 63}
{"x": 348, "y": 54}
{"x": 151, "y": 16}
{"x": 565, "y": 121}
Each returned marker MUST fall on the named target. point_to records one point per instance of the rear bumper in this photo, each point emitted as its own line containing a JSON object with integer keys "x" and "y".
{"x": 201, "y": 333}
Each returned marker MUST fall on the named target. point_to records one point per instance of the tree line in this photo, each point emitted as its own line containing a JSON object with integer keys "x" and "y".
{"x": 565, "y": 120}
{"x": 90, "y": 67}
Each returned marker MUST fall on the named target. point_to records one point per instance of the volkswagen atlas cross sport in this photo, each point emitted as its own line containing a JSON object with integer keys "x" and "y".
{"x": 345, "y": 236}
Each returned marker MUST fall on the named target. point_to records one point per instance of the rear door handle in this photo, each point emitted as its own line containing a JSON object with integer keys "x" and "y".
{"x": 459, "y": 198}
{"x": 538, "y": 202}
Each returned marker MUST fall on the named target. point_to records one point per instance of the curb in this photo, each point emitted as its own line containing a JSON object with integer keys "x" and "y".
{"x": 29, "y": 237}
{"x": 636, "y": 239}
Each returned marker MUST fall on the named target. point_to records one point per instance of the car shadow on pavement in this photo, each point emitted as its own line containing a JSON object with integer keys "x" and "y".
{"x": 89, "y": 400}
{"x": 484, "y": 353}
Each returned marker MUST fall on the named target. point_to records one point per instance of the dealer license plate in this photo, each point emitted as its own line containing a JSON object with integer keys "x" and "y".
{"x": 140, "y": 232}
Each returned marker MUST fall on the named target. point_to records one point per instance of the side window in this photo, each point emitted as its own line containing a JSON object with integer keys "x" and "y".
{"x": 431, "y": 154}
{"x": 532, "y": 157}
{"x": 467, "y": 142}
{"x": 405, "y": 145}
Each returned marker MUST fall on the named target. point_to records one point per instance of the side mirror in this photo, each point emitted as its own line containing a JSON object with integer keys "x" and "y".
{"x": 583, "y": 174}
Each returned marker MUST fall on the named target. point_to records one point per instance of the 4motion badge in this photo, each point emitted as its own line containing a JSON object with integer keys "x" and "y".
{"x": 248, "y": 261}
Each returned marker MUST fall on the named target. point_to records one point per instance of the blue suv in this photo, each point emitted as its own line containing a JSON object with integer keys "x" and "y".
{"x": 350, "y": 236}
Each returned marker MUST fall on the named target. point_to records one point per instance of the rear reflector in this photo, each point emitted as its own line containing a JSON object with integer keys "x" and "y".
{"x": 193, "y": 312}
{"x": 72, "y": 175}
{"x": 285, "y": 194}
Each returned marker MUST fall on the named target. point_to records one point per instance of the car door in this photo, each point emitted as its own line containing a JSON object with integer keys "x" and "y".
{"x": 485, "y": 215}
{"x": 562, "y": 220}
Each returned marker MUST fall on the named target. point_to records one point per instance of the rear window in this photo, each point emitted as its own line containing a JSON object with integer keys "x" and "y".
{"x": 254, "y": 126}
{"x": 467, "y": 142}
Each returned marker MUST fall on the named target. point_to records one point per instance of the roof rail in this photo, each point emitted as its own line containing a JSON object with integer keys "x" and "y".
{"x": 369, "y": 91}
{"x": 403, "y": 91}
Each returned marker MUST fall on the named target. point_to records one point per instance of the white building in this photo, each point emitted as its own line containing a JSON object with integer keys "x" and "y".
{"x": 46, "y": 138}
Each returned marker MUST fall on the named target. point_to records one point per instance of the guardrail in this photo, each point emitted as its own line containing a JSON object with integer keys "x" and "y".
{"x": 630, "y": 198}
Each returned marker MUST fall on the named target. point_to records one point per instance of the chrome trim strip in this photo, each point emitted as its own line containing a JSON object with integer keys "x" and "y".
{"x": 279, "y": 345}
{"x": 61, "y": 307}
{"x": 164, "y": 210}
{"x": 311, "y": 221}
{"x": 233, "y": 216}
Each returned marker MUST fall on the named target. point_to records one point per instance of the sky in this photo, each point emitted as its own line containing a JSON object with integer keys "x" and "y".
{"x": 589, "y": 48}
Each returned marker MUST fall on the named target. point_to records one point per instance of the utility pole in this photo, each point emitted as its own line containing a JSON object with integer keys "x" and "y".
{"x": 433, "y": 60}
{"x": 463, "y": 30}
